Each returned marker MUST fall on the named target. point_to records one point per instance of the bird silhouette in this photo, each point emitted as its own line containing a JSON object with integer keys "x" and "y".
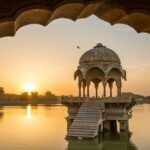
{"x": 78, "y": 47}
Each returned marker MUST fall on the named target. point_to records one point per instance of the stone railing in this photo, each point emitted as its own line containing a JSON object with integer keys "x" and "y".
{"x": 116, "y": 99}
{"x": 71, "y": 99}
{"x": 67, "y": 99}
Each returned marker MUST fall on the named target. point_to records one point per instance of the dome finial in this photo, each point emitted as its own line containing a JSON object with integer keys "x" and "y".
{"x": 99, "y": 45}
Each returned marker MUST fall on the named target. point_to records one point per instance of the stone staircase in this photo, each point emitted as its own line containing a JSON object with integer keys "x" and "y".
{"x": 87, "y": 121}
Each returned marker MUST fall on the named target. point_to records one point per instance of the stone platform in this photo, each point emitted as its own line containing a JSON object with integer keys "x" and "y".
{"x": 88, "y": 117}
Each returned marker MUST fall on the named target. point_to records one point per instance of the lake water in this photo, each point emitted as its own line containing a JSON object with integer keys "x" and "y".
{"x": 44, "y": 128}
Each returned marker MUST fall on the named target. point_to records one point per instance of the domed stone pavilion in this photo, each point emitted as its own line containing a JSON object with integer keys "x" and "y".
{"x": 99, "y": 65}
{"x": 88, "y": 117}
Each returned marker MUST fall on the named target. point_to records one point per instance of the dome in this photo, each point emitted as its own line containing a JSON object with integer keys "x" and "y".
{"x": 99, "y": 53}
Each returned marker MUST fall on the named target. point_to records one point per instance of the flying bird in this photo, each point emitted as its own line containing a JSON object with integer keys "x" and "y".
{"x": 78, "y": 47}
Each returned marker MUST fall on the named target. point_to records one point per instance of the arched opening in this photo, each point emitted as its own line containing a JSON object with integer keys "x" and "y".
{"x": 92, "y": 89}
{"x": 107, "y": 90}
{"x": 79, "y": 74}
{"x": 94, "y": 75}
{"x": 95, "y": 72}
{"x": 96, "y": 82}
{"x": 111, "y": 87}
{"x": 114, "y": 75}
{"x": 114, "y": 72}
{"x": 100, "y": 90}
{"x": 114, "y": 90}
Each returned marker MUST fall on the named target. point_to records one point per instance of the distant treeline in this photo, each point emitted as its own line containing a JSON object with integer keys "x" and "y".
{"x": 139, "y": 99}
{"x": 25, "y": 98}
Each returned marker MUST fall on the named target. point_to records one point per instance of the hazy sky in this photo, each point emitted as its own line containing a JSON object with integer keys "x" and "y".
{"x": 47, "y": 56}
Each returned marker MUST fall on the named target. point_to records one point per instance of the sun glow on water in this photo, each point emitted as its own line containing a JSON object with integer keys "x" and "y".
{"x": 28, "y": 112}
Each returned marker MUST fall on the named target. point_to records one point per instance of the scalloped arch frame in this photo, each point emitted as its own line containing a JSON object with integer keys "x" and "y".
{"x": 107, "y": 10}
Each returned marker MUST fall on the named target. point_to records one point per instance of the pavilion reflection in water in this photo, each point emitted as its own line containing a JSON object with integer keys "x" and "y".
{"x": 106, "y": 141}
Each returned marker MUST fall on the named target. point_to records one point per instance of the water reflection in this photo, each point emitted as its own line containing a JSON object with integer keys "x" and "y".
{"x": 28, "y": 112}
{"x": 46, "y": 130}
{"x": 1, "y": 112}
{"x": 107, "y": 141}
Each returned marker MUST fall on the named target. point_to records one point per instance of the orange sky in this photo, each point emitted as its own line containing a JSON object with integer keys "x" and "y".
{"x": 48, "y": 57}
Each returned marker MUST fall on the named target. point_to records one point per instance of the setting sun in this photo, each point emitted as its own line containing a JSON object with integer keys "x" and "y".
{"x": 29, "y": 87}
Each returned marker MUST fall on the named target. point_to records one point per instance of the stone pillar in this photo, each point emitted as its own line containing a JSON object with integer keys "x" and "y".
{"x": 69, "y": 122}
{"x": 118, "y": 91}
{"x": 106, "y": 125}
{"x": 84, "y": 86}
{"x": 104, "y": 88}
{"x": 123, "y": 125}
{"x": 110, "y": 87}
{"x": 96, "y": 89}
{"x": 118, "y": 84}
{"x": 88, "y": 91}
{"x": 104, "y": 92}
{"x": 113, "y": 124}
{"x": 79, "y": 86}
{"x": 100, "y": 128}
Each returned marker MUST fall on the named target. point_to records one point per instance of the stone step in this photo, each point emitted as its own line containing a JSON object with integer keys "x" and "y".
{"x": 77, "y": 135}
{"x": 82, "y": 130}
{"x": 91, "y": 102}
{"x": 87, "y": 116}
{"x": 86, "y": 121}
{"x": 84, "y": 113}
{"x": 92, "y": 106}
{"x": 81, "y": 133}
{"x": 84, "y": 124}
{"x": 89, "y": 110}
{"x": 84, "y": 127}
{"x": 88, "y": 106}
{"x": 81, "y": 136}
